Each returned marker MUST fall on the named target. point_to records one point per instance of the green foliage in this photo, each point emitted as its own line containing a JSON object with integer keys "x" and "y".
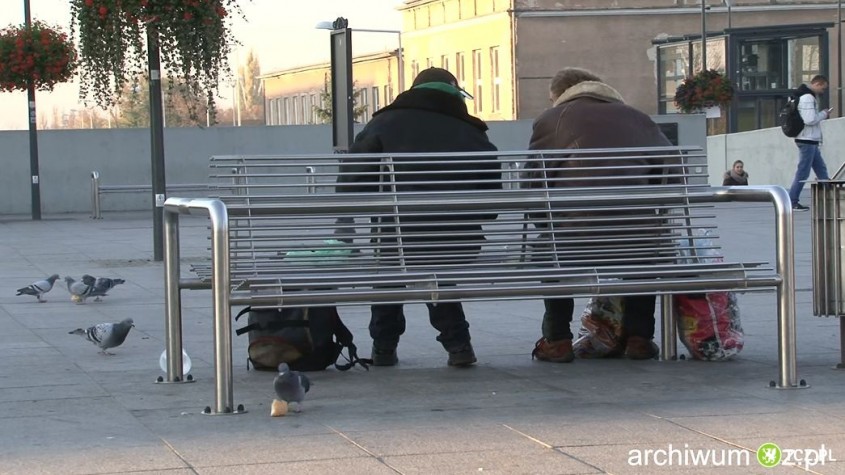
{"x": 706, "y": 88}
{"x": 324, "y": 112}
{"x": 41, "y": 55}
{"x": 194, "y": 38}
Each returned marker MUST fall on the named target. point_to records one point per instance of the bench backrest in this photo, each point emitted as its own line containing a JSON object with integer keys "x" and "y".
{"x": 423, "y": 212}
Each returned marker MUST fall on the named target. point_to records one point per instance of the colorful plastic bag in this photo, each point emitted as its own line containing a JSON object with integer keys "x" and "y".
{"x": 600, "y": 335}
{"x": 709, "y": 324}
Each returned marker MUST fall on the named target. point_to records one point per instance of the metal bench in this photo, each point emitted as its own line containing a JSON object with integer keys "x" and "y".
{"x": 399, "y": 246}
{"x": 98, "y": 189}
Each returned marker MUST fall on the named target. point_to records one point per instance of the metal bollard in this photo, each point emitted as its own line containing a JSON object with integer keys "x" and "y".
{"x": 95, "y": 195}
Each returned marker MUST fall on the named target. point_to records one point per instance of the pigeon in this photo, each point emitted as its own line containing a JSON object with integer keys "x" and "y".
{"x": 291, "y": 386}
{"x": 39, "y": 288}
{"x": 79, "y": 291}
{"x": 106, "y": 335}
{"x": 102, "y": 285}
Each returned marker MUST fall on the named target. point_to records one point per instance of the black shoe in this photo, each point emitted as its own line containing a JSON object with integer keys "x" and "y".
{"x": 384, "y": 356}
{"x": 799, "y": 207}
{"x": 462, "y": 357}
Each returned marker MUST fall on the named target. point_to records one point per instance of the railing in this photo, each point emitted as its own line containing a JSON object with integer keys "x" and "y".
{"x": 98, "y": 189}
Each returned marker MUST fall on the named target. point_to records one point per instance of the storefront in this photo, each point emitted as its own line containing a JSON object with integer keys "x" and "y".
{"x": 765, "y": 64}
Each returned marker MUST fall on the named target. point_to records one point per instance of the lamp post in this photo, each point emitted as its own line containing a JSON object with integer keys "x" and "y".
{"x": 400, "y": 56}
{"x": 703, "y": 35}
{"x": 839, "y": 59}
{"x": 33, "y": 134}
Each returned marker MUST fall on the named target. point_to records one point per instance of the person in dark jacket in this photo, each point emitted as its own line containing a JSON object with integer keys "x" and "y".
{"x": 430, "y": 117}
{"x": 736, "y": 176}
{"x": 587, "y": 113}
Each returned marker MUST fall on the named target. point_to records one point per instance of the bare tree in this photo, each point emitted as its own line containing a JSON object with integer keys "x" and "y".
{"x": 324, "y": 111}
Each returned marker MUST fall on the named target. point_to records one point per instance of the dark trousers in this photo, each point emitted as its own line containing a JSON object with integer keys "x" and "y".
{"x": 637, "y": 319}
{"x": 387, "y": 323}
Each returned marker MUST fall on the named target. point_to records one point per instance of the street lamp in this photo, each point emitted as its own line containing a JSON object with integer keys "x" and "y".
{"x": 703, "y": 35}
{"x": 329, "y": 25}
{"x": 35, "y": 190}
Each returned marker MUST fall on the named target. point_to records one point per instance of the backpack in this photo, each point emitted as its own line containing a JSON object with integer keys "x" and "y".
{"x": 307, "y": 339}
{"x": 790, "y": 119}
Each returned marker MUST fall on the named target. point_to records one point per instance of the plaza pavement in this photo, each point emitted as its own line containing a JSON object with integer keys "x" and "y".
{"x": 65, "y": 409}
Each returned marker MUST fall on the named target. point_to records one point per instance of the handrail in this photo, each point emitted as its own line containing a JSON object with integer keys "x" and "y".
{"x": 97, "y": 189}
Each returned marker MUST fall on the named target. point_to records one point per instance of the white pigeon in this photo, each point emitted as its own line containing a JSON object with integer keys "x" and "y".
{"x": 291, "y": 386}
{"x": 39, "y": 288}
{"x": 79, "y": 291}
{"x": 106, "y": 335}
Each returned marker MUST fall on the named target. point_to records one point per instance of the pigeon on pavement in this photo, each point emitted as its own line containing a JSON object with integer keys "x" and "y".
{"x": 80, "y": 291}
{"x": 106, "y": 335}
{"x": 102, "y": 285}
{"x": 39, "y": 288}
{"x": 291, "y": 386}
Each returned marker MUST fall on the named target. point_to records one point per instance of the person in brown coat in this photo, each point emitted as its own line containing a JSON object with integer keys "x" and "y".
{"x": 736, "y": 176}
{"x": 587, "y": 113}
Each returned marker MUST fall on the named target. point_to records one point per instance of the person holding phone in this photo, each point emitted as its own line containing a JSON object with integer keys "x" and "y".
{"x": 808, "y": 141}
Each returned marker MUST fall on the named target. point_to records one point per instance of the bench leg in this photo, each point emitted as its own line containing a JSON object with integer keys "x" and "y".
{"x": 172, "y": 302}
{"x": 668, "y": 329}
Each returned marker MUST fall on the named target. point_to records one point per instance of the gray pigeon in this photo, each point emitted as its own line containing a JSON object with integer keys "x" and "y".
{"x": 106, "y": 335}
{"x": 39, "y": 288}
{"x": 102, "y": 285}
{"x": 291, "y": 386}
{"x": 80, "y": 291}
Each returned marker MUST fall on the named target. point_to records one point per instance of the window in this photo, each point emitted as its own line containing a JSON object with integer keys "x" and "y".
{"x": 497, "y": 80}
{"x": 295, "y": 104}
{"x": 271, "y": 112}
{"x": 375, "y": 98}
{"x": 444, "y": 62}
{"x": 388, "y": 94}
{"x": 313, "y": 110}
{"x": 286, "y": 120}
{"x": 428, "y": 63}
{"x": 476, "y": 74}
{"x": 415, "y": 68}
{"x": 303, "y": 110}
{"x": 363, "y": 96}
{"x": 459, "y": 70}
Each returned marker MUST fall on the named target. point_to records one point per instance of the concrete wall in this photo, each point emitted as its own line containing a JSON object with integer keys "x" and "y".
{"x": 770, "y": 157}
{"x": 122, "y": 156}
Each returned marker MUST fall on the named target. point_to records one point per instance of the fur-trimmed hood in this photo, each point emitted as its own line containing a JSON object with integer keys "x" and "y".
{"x": 594, "y": 89}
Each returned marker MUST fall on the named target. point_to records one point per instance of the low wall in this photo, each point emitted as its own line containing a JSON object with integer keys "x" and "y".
{"x": 770, "y": 157}
{"x": 122, "y": 156}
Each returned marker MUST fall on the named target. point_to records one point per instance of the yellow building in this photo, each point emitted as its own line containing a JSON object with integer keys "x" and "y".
{"x": 504, "y": 52}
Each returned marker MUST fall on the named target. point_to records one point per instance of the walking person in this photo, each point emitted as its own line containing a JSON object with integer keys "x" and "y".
{"x": 809, "y": 139}
{"x": 584, "y": 109}
{"x": 430, "y": 117}
{"x": 736, "y": 176}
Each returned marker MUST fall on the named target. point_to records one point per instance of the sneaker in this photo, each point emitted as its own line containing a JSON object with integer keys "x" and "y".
{"x": 462, "y": 357}
{"x": 639, "y": 348}
{"x": 799, "y": 207}
{"x": 384, "y": 356}
{"x": 559, "y": 351}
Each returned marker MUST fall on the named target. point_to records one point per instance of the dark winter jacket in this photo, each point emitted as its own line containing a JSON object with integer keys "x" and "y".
{"x": 426, "y": 120}
{"x": 732, "y": 179}
{"x": 592, "y": 115}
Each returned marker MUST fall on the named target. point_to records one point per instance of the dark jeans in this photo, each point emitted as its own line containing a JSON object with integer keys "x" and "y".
{"x": 809, "y": 157}
{"x": 637, "y": 320}
{"x": 388, "y": 323}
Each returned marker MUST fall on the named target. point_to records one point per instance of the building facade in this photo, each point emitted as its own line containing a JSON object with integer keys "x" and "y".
{"x": 505, "y": 52}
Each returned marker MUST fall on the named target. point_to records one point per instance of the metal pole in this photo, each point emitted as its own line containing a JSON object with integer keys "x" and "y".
{"x": 172, "y": 298}
{"x": 703, "y": 35}
{"x": 401, "y": 65}
{"x": 668, "y": 331}
{"x": 33, "y": 134}
{"x": 157, "y": 141}
{"x": 839, "y": 59}
{"x": 728, "y": 2}
{"x": 95, "y": 195}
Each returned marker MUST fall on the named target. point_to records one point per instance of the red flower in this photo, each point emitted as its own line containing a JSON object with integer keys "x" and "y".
{"x": 39, "y": 55}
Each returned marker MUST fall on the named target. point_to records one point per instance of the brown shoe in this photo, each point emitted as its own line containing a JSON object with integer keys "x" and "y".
{"x": 559, "y": 351}
{"x": 639, "y": 348}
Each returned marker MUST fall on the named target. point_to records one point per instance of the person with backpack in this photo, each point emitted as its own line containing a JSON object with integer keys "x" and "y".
{"x": 430, "y": 117}
{"x": 810, "y": 137}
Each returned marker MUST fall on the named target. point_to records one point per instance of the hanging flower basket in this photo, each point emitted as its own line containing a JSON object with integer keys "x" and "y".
{"x": 40, "y": 55}
{"x": 194, "y": 37}
{"x": 703, "y": 90}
